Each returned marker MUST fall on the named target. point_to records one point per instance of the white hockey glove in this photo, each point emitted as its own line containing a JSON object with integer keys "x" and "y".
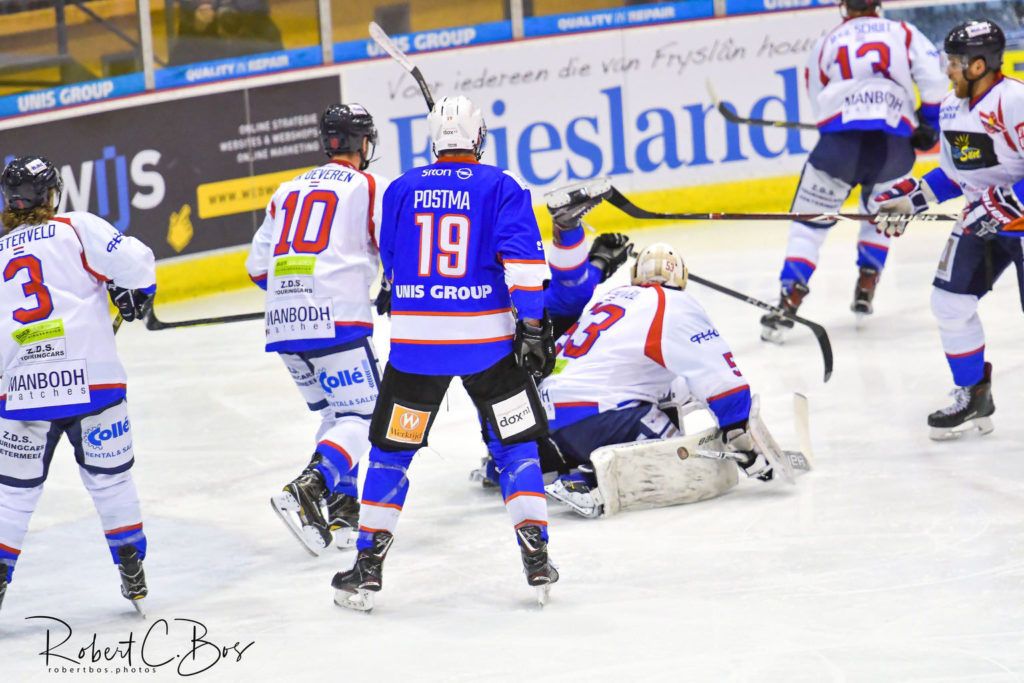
{"x": 909, "y": 196}
{"x": 739, "y": 440}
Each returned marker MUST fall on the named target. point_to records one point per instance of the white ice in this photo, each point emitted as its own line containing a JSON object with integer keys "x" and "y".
{"x": 897, "y": 559}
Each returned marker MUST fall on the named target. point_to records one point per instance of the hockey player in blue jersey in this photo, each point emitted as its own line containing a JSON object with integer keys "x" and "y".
{"x": 576, "y": 270}
{"x": 462, "y": 251}
{"x": 861, "y": 79}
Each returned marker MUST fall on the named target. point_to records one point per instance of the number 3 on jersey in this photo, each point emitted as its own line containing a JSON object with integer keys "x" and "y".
{"x": 452, "y": 244}
{"x": 34, "y": 287}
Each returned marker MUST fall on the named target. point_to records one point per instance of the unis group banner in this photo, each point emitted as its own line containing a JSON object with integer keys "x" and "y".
{"x": 187, "y": 175}
{"x": 632, "y": 104}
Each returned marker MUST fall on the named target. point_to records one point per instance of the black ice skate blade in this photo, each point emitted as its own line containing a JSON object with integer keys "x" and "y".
{"x": 292, "y": 527}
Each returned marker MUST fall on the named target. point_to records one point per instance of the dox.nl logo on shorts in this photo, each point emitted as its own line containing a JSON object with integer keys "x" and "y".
{"x": 97, "y": 435}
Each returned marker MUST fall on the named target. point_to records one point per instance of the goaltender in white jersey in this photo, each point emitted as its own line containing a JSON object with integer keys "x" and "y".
{"x": 632, "y": 348}
{"x": 316, "y": 255}
{"x": 61, "y": 373}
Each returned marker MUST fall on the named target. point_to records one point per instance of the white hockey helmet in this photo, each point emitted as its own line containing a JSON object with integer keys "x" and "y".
{"x": 457, "y": 124}
{"x": 659, "y": 263}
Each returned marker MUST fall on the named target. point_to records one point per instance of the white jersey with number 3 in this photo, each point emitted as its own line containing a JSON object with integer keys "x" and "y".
{"x": 59, "y": 358}
{"x": 861, "y": 75}
{"x": 632, "y": 343}
{"x": 316, "y": 254}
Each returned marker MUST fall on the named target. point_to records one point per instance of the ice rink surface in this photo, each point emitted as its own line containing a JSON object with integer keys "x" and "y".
{"x": 897, "y": 559}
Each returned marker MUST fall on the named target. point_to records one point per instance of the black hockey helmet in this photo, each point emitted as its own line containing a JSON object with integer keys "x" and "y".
{"x": 977, "y": 39}
{"x": 861, "y": 5}
{"x": 343, "y": 128}
{"x": 30, "y": 182}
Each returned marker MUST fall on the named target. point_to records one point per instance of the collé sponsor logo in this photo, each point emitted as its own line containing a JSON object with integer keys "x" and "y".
{"x": 97, "y": 435}
{"x": 342, "y": 378}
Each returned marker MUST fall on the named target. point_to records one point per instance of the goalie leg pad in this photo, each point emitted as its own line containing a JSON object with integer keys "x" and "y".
{"x": 650, "y": 474}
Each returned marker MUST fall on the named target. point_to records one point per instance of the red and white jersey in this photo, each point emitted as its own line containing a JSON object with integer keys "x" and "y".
{"x": 632, "y": 343}
{"x": 982, "y": 142}
{"x": 861, "y": 76}
{"x": 59, "y": 357}
{"x": 316, "y": 255}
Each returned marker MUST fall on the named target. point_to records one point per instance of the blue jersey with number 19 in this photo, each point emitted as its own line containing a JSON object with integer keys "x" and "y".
{"x": 460, "y": 243}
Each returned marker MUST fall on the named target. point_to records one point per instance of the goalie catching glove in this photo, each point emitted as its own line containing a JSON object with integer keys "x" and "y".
{"x": 909, "y": 196}
{"x": 130, "y": 303}
{"x": 534, "y": 347}
{"x": 739, "y": 440}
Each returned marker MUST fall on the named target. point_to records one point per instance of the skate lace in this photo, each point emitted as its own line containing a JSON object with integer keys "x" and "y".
{"x": 961, "y": 398}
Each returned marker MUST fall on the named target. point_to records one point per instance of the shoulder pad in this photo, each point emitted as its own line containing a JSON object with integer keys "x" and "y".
{"x": 519, "y": 181}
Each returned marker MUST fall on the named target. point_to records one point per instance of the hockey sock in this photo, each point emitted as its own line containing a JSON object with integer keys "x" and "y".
{"x": 963, "y": 338}
{"x": 872, "y": 248}
{"x": 117, "y": 503}
{"x": 16, "y": 507}
{"x": 341, "y": 447}
{"x": 802, "y": 251}
{"x": 522, "y": 484}
{"x": 384, "y": 493}
{"x": 568, "y": 257}
{"x": 339, "y": 470}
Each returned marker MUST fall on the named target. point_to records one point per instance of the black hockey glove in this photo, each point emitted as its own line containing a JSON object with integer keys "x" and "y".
{"x": 609, "y": 251}
{"x": 130, "y": 303}
{"x": 739, "y": 440}
{"x": 534, "y": 347}
{"x": 924, "y": 137}
{"x": 383, "y": 301}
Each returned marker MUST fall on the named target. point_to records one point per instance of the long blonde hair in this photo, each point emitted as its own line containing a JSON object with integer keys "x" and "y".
{"x": 12, "y": 219}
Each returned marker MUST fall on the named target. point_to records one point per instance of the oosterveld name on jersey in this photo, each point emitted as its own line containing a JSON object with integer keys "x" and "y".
{"x": 97, "y": 435}
{"x": 40, "y": 385}
{"x": 614, "y": 141}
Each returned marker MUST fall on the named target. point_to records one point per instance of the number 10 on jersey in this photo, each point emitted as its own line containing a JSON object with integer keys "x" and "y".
{"x": 452, "y": 241}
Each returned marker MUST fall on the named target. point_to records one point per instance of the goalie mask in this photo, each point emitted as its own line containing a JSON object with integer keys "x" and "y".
{"x": 660, "y": 264}
{"x": 457, "y": 124}
{"x": 31, "y": 182}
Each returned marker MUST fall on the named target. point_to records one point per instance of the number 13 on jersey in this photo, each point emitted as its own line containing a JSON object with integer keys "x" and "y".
{"x": 450, "y": 234}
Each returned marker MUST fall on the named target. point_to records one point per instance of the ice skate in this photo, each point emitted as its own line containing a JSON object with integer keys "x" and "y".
{"x": 574, "y": 491}
{"x": 864, "y": 293}
{"x": 3, "y": 584}
{"x": 486, "y": 474}
{"x": 971, "y": 411}
{"x": 354, "y": 589}
{"x": 133, "y": 578}
{"x": 569, "y": 204}
{"x": 540, "y": 571}
{"x": 775, "y": 326}
{"x": 298, "y": 506}
{"x": 343, "y": 519}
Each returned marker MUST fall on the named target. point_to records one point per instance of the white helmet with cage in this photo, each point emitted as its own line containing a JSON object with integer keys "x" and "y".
{"x": 457, "y": 124}
{"x": 659, "y": 263}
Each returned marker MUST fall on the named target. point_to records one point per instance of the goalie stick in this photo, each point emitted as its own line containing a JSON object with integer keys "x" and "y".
{"x": 621, "y": 202}
{"x": 388, "y": 45}
{"x": 733, "y": 117}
